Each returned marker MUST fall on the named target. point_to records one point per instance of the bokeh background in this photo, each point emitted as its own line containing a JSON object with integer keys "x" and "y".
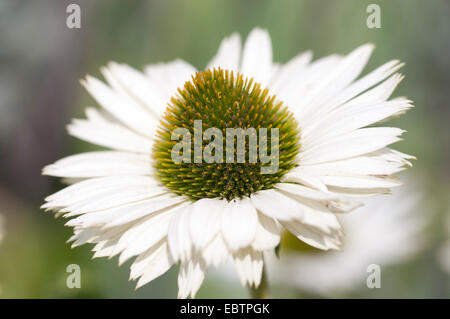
{"x": 41, "y": 62}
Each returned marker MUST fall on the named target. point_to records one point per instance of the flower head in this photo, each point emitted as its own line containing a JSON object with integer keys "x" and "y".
{"x": 217, "y": 201}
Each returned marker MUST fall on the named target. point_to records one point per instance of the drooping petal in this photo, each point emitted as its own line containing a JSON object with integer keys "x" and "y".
{"x": 315, "y": 225}
{"x": 249, "y": 265}
{"x": 267, "y": 233}
{"x": 239, "y": 223}
{"x": 204, "y": 220}
{"x": 305, "y": 192}
{"x": 180, "y": 243}
{"x": 320, "y": 230}
{"x": 190, "y": 277}
{"x": 144, "y": 235}
{"x": 299, "y": 176}
{"x": 152, "y": 264}
{"x": 216, "y": 252}
{"x": 275, "y": 205}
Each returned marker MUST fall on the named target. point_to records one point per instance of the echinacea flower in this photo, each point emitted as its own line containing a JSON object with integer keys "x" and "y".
{"x": 387, "y": 230}
{"x": 134, "y": 200}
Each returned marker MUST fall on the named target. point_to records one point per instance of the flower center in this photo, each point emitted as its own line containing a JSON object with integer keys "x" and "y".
{"x": 222, "y": 136}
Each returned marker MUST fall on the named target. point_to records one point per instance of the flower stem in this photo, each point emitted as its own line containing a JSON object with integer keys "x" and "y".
{"x": 262, "y": 292}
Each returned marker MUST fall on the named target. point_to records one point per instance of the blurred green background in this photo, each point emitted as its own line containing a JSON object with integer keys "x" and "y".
{"x": 41, "y": 62}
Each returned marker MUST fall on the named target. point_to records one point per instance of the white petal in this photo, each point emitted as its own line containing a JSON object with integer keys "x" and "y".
{"x": 121, "y": 215}
{"x": 204, "y": 220}
{"x": 113, "y": 197}
{"x": 345, "y": 72}
{"x": 352, "y": 144}
{"x": 107, "y": 248}
{"x": 190, "y": 278}
{"x": 99, "y": 116}
{"x": 289, "y": 73}
{"x": 381, "y": 162}
{"x": 320, "y": 230}
{"x": 326, "y": 203}
{"x": 273, "y": 204}
{"x": 305, "y": 192}
{"x": 228, "y": 55}
{"x": 102, "y": 163}
{"x": 133, "y": 238}
{"x": 135, "y": 85}
{"x": 216, "y": 252}
{"x": 168, "y": 77}
{"x": 391, "y": 155}
{"x": 267, "y": 233}
{"x": 360, "y": 181}
{"x": 145, "y": 235}
{"x": 107, "y": 241}
{"x": 257, "y": 57}
{"x": 159, "y": 204}
{"x": 359, "y": 192}
{"x": 370, "y": 164}
{"x": 124, "y": 108}
{"x": 306, "y": 81}
{"x": 380, "y": 94}
{"x": 298, "y": 175}
{"x": 83, "y": 236}
{"x": 180, "y": 243}
{"x": 110, "y": 135}
{"x": 351, "y": 117}
{"x": 249, "y": 264}
{"x": 84, "y": 190}
{"x": 239, "y": 223}
{"x": 152, "y": 264}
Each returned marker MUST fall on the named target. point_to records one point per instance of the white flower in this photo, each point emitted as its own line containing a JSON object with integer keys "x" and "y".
{"x": 387, "y": 230}
{"x": 133, "y": 201}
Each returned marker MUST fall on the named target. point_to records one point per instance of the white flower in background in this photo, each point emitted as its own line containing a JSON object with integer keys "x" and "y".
{"x": 2, "y": 234}
{"x": 444, "y": 249}
{"x": 2, "y": 230}
{"x": 135, "y": 201}
{"x": 387, "y": 230}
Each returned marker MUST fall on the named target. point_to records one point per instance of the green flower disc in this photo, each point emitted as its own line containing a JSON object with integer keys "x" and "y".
{"x": 222, "y": 99}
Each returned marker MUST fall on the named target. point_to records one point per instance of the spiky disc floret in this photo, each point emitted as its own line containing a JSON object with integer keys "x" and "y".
{"x": 222, "y": 99}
